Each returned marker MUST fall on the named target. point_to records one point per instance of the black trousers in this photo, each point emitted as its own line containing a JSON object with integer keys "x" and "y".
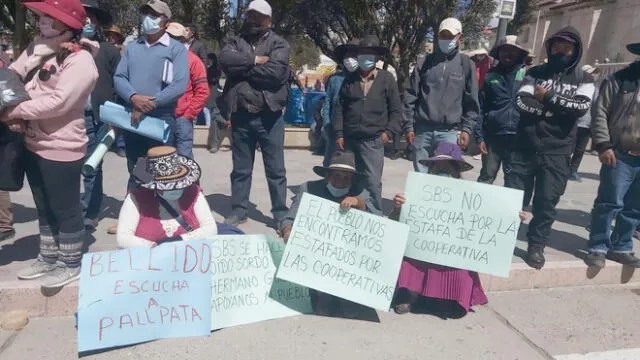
{"x": 549, "y": 173}
{"x": 499, "y": 148}
{"x": 267, "y": 130}
{"x": 55, "y": 187}
{"x": 584, "y": 134}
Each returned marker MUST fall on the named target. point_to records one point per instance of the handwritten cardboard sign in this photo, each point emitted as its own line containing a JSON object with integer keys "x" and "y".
{"x": 462, "y": 224}
{"x": 353, "y": 255}
{"x": 244, "y": 286}
{"x": 141, "y": 294}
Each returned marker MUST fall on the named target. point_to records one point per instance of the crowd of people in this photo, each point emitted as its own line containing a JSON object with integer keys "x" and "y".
{"x": 534, "y": 121}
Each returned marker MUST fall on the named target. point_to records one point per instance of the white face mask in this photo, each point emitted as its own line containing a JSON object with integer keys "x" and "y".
{"x": 350, "y": 64}
{"x": 45, "y": 24}
{"x": 172, "y": 195}
{"x": 337, "y": 192}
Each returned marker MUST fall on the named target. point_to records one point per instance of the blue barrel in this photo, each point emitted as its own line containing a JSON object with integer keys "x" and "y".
{"x": 300, "y": 106}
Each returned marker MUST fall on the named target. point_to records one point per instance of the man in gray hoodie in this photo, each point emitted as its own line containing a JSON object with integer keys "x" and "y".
{"x": 442, "y": 97}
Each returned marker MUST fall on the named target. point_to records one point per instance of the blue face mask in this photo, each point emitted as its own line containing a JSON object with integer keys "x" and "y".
{"x": 172, "y": 195}
{"x": 337, "y": 192}
{"x": 89, "y": 31}
{"x": 366, "y": 62}
{"x": 151, "y": 25}
{"x": 447, "y": 46}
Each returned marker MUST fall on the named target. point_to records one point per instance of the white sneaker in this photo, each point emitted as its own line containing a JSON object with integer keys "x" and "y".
{"x": 60, "y": 276}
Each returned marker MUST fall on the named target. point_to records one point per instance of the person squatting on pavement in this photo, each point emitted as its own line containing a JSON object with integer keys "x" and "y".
{"x": 496, "y": 131}
{"x": 367, "y": 115}
{"x": 60, "y": 74}
{"x": 347, "y": 56}
{"x": 552, "y": 98}
{"x": 419, "y": 278}
{"x": 151, "y": 76}
{"x": 106, "y": 61}
{"x": 341, "y": 184}
{"x": 257, "y": 66}
{"x": 616, "y": 136}
{"x": 442, "y": 97}
{"x": 190, "y": 105}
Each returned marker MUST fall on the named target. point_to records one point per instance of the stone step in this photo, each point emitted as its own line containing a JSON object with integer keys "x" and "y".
{"x": 27, "y": 296}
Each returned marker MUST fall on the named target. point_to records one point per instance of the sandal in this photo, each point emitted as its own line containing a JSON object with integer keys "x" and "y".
{"x": 402, "y": 309}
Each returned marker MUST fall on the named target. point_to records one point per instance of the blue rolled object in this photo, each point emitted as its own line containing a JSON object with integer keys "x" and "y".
{"x": 120, "y": 117}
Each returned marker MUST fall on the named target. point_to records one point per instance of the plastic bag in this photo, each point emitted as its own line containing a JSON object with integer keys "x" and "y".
{"x": 12, "y": 91}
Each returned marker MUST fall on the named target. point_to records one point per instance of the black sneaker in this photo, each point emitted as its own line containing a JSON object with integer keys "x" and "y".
{"x": 235, "y": 220}
{"x": 624, "y": 258}
{"x": 595, "y": 259}
{"x": 6, "y": 235}
{"x": 535, "y": 257}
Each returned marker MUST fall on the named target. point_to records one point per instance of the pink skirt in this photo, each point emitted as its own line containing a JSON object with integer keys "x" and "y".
{"x": 441, "y": 282}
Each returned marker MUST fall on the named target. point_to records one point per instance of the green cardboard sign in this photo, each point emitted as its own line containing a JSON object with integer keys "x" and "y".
{"x": 461, "y": 224}
{"x": 350, "y": 254}
{"x": 244, "y": 287}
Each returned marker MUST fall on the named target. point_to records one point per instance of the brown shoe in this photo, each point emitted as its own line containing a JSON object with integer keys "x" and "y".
{"x": 113, "y": 229}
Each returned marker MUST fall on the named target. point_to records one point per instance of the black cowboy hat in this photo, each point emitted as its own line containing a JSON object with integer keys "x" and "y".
{"x": 634, "y": 48}
{"x": 372, "y": 43}
{"x": 93, "y": 7}
{"x": 341, "y": 161}
{"x": 343, "y": 49}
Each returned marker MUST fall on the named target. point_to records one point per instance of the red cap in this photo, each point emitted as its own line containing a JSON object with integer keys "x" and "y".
{"x": 69, "y": 12}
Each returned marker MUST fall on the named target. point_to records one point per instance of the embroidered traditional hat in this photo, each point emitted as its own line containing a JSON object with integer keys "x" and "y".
{"x": 447, "y": 151}
{"x": 341, "y": 161}
{"x": 163, "y": 169}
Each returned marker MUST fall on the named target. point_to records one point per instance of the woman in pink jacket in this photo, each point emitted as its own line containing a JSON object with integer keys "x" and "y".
{"x": 59, "y": 74}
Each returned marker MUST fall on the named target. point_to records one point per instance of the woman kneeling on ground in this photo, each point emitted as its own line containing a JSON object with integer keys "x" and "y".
{"x": 168, "y": 204}
{"x": 418, "y": 278}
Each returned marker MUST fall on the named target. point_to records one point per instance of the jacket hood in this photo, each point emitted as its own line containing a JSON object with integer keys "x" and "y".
{"x": 572, "y": 33}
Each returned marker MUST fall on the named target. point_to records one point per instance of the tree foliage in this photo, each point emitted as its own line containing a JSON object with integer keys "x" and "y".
{"x": 525, "y": 10}
{"x": 401, "y": 25}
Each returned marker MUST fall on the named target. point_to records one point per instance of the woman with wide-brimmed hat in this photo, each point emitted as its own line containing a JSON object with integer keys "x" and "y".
{"x": 454, "y": 291}
{"x": 167, "y": 205}
{"x": 59, "y": 73}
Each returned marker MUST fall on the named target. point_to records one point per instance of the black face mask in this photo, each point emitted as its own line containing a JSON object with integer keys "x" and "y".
{"x": 252, "y": 32}
{"x": 559, "y": 62}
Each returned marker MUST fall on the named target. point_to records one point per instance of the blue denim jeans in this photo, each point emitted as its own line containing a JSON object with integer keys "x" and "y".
{"x": 426, "y": 144}
{"x": 329, "y": 144}
{"x": 619, "y": 196}
{"x": 93, "y": 191}
{"x": 184, "y": 137}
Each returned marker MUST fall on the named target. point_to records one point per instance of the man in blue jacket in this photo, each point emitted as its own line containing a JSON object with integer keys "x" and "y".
{"x": 257, "y": 66}
{"x": 151, "y": 76}
{"x": 496, "y": 132}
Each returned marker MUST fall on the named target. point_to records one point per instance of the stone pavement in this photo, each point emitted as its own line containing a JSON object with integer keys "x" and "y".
{"x": 594, "y": 323}
{"x": 564, "y": 267}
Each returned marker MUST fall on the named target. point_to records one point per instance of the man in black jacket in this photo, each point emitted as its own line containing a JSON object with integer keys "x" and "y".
{"x": 257, "y": 66}
{"x": 615, "y": 127}
{"x": 106, "y": 61}
{"x": 368, "y": 114}
{"x": 552, "y": 98}
{"x": 195, "y": 44}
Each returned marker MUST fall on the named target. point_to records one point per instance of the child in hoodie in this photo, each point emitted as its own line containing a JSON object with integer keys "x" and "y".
{"x": 59, "y": 73}
{"x": 551, "y": 99}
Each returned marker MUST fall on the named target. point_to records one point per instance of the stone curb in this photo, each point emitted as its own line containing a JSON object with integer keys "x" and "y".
{"x": 27, "y": 296}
